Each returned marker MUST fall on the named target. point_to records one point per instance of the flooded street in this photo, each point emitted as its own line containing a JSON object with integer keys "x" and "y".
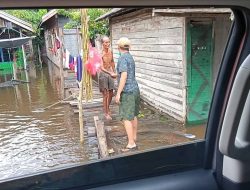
{"x": 33, "y": 139}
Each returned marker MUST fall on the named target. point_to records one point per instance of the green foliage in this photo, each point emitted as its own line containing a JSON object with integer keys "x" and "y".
{"x": 32, "y": 16}
{"x": 95, "y": 27}
{"x": 141, "y": 115}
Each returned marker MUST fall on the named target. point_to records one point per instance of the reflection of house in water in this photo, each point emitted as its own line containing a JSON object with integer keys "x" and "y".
{"x": 177, "y": 54}
{"x": 57, "y": 41}
{"x": 12, "y": 27}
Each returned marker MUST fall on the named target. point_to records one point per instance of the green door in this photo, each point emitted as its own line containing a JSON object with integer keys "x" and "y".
{"x": 199, "y": 70}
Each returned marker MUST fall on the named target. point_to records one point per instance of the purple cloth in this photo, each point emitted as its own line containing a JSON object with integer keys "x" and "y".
{"x": 79, "y": 68}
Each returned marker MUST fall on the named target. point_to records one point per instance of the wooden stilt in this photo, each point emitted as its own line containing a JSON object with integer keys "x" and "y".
{"x": 101, "y": 137}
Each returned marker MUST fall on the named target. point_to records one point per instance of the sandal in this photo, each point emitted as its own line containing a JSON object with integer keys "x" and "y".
{"x": 127, "y": 149}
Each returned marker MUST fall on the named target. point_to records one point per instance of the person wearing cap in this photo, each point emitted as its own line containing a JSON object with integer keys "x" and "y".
{"x": 128, "y": 94}
{"x": 106, "y": 82}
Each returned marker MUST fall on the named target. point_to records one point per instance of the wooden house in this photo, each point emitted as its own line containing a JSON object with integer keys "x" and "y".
{"x": 57, "y": 41}
{"x": 14, "y": 28}
{"x": 177, "y": 54}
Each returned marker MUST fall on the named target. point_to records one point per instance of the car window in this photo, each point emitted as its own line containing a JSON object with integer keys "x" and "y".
{"x": 171, "y": 56}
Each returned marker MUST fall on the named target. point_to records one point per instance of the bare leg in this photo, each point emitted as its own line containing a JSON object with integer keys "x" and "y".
{"x": 105, "y": 98}
{"x": 110, "y": 96}
{"x": 135, "y": 124}
{"x": 129, "y": 130}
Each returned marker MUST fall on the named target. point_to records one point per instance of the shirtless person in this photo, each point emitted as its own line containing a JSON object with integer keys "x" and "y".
{"x": 106, "y": 82}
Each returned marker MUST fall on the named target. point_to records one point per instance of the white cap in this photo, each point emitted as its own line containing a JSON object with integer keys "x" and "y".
{"x": 124, "y": 42}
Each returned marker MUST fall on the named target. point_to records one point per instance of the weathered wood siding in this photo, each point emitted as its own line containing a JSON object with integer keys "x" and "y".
{"x": 51, "y": 30}
{"x": 157, "y": 47}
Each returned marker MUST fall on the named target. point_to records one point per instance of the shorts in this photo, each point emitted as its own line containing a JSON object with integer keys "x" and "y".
{"x": 130, "y": 105}
{"x": 106, "y": 82}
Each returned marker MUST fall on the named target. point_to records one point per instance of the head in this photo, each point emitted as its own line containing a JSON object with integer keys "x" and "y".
{"x": 105, "y": 42}
{"x": 123, "y": 44}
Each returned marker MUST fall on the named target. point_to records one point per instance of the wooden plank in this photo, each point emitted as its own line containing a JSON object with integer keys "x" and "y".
{"x": 160, "y": 69}
{"x": 166, "y": 76}
{"x": 97, "y": 100}
{"x": 101, "y": 137}
{"x": 160, "y": 88}
{"x": 165, "y": 108}
{"x": 159, "y": 62}
{"x": 96, "y": 111}
{"x": 194, "y": 10}
{"x": 85, "y": 103}
{"x": 162, "y": 102}
{"x": 169, "y": 76}
{"x": 152, "y": 41}
{"x": 135, "y": 16}
{"x": 174, "y": 48}
{"x": 147, "y": 33}
{"x": 149, "y": 22}
{"x": 169, "y": 63}
{"x": 165, "y": 95}
{"x": 91, "y": 131}
{"x": 165, "y": 82}
{"x": 163, "y": 56}
{"x": 158, "y": 55}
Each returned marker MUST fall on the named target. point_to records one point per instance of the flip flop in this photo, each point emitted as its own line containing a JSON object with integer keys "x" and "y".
{"x": 127, "y": 149}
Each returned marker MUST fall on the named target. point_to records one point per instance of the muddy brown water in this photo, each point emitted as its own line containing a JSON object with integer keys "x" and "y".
{"x": 32, "y": 139}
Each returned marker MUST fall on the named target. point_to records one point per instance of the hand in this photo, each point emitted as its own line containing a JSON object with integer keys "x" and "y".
{"x": 117, "y": 98}
{"x": 113, "y": 75}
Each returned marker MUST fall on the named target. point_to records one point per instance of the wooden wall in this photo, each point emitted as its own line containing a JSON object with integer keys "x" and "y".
{"x": 51, "y": 29}
{"x": 157, "y": 47}
{"x": 55, "y": 58}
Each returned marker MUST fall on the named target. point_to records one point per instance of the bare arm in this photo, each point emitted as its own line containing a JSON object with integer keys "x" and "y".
{"x": 122, "y": 82}
{"x": 121, "y": 86}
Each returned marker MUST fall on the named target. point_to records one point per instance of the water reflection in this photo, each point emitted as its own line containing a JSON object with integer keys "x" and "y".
{"x": 33, "y": 139}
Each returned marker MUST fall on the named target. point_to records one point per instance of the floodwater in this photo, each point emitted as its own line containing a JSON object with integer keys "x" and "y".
{"x": 33, "y": 139}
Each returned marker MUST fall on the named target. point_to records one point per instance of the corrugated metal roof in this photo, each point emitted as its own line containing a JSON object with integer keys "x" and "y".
{"x": 17, "y": 21}
{"x": 50, "y": 14}
{"x": 114, "y": 12}
{"x": 119, "y": 11}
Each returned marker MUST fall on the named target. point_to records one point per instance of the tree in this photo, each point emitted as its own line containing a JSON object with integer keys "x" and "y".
{"x": 95, "y": 27}
{"x": 32, "y": 16}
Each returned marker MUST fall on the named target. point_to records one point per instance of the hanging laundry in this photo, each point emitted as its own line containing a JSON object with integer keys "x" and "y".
{"x": 74, "y": 65}
{"x": 79, "y": 68}
{"x": 71, "y": 62}
{"x": 64, "y": 58}
{"x": 58, "y": 43}
{"x": 67, "y": 59}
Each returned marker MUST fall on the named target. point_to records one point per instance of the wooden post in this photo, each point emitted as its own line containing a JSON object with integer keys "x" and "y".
{"x": 61, "y": 51}
{"x": 24, "y": 56}
{"x": 14, "y": 66}
{"x": 39, "y": 56}
{"x": 101, "y": 137}
{"x": 84, "y": 21}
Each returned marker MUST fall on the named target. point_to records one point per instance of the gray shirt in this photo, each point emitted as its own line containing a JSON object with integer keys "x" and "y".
{"x": 126, "y": 63}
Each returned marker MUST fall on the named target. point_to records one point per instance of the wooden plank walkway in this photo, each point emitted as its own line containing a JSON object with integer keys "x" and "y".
{"x": 93, "y": 119}
{"x": 153, "y": 131}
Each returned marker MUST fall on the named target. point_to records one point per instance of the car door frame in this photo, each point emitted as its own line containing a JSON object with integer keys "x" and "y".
{"x": 206, "y": 155}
